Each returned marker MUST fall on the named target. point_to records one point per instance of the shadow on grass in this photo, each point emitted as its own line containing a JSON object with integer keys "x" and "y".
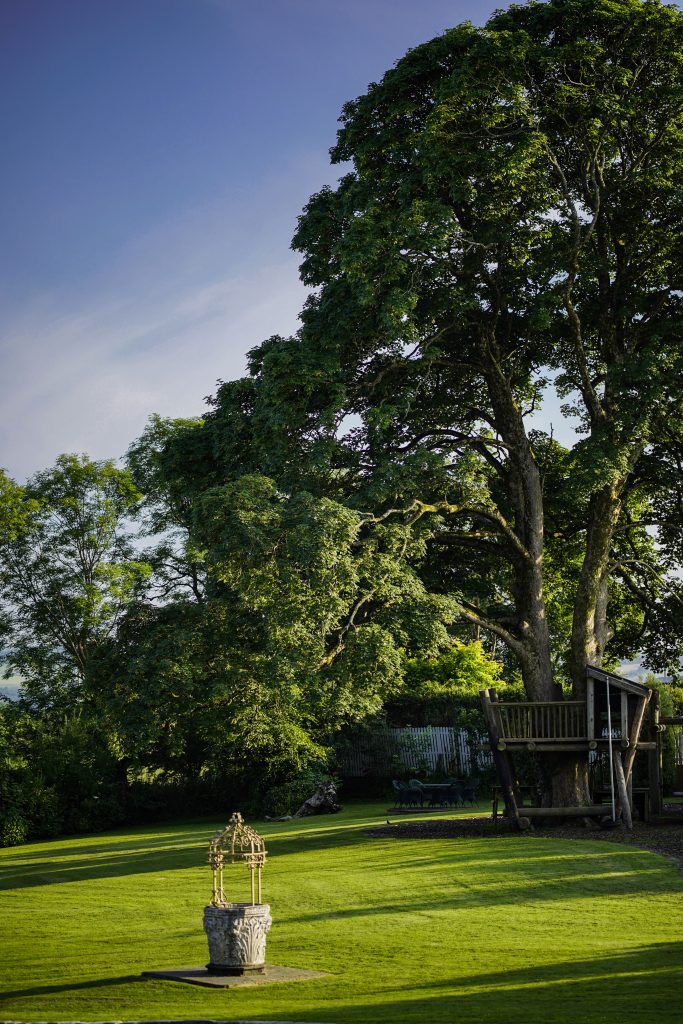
{"x": 633, "y": 986}
{"x": 48, "y": 872}
{"x": 47, "y": 864}
{"x": 170, "y": 840}
{"x": 488, "y": 873}
{"x": 80, "y": 986}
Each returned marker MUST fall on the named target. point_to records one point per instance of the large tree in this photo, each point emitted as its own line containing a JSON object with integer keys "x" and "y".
{"x": 512, "y": 221}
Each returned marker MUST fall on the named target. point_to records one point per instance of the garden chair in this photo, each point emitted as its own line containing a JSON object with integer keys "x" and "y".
{"x": 469, "y": 793}
{"x": 402, "y": 794}
{"x": 418, "y": 790}
{"x": 454, "y": 794}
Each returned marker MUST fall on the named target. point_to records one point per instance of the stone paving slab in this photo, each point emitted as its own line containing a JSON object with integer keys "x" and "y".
{"x": 271, "y": 975}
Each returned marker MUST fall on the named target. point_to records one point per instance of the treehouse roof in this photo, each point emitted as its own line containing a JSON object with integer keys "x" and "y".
{"x": 602, "y": 676}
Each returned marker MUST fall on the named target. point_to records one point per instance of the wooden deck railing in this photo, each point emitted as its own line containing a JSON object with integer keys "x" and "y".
{"x": 542, "y": 720}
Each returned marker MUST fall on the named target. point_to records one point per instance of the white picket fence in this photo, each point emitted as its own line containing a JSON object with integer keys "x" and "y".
{"x": 418, "y": 749}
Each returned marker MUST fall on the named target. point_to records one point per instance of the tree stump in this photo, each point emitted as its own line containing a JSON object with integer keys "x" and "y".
{"x": 323, "y": 801}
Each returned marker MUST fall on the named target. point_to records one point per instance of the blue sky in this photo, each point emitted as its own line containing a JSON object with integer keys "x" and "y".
{"x": 156, "y": 154}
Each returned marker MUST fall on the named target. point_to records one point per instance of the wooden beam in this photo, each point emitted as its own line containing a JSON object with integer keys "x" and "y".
{"x": 590, "y": 708}
{"x": 636, "y": 726}
{"x": 544, "y": 745}
{"x": 624, "y": 719}
{"x": 500, "y": 759}
{"x": 622, "y": 791}
{"x": 592, "y": 811}
{"x": 642, "y": 745}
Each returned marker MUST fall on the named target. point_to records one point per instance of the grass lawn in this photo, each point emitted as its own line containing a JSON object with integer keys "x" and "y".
{"x": 504, "y": 929}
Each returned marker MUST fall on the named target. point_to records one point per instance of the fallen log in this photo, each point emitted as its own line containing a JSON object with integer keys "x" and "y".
{"x": 323, "y": 801}
{"x": 594, "y": 810}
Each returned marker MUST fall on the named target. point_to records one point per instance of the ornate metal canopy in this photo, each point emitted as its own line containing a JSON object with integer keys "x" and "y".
{"x": 236, "y": 843}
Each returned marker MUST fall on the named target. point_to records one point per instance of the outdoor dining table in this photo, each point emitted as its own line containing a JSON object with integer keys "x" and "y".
{"x": 433, "y": 789}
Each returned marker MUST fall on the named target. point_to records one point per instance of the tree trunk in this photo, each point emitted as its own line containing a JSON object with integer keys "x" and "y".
{"x": 523, "y": 484}
{"x": 569, "y": 780}
{"x": 530, "y": 604}
{"x": 590, "y": 631}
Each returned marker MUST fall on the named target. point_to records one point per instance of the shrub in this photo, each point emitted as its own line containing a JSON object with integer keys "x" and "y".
{"x": 445, "y": 690}
{"x": 13, "y": 829}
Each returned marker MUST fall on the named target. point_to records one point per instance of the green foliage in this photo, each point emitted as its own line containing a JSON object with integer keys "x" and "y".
{"x": 463, "y": 669}
{"x": 511, "y": 219}
{"x": 157, "y": 462}
{"x": 671, "y": 704}
{"x": 14, "y": 829}
{"x": 56, "y": 776}
{"x": 67, "y": 572}
{"x": 445, "y": 690}
{"x": 308, "y": 611}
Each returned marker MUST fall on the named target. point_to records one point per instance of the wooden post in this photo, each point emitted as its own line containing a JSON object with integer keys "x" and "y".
{"x": 500, "y": 759}
{"x": 622, "y": 791}
{"x": 624, "y": 717}
{"x": 590, "y": 709}
{"x": 636, "y": 726}
{"x": 654, "y": 758}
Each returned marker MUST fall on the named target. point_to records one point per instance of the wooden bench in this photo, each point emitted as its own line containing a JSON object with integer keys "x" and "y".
{"x": 640, "y": 799}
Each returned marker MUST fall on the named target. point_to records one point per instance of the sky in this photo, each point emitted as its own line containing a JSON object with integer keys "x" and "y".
{"x": 156, "y": 155}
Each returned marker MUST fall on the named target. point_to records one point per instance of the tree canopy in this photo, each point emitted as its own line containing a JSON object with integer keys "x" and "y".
{"x": 511, "y": 223}
{"x": 68, "y": 571}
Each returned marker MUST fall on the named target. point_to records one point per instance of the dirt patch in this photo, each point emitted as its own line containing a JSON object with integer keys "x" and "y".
{"x": 665, "y": 838}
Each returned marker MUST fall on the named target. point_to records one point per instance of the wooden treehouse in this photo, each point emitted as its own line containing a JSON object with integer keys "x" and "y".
{"x": 607, "y": 725}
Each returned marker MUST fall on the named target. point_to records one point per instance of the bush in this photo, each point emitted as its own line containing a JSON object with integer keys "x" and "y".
{"x": 671, "y": 703}
{"x": 43, "y": 810}
{"x": 445, "y": 690}
{"x": 13, "y": 829}
{"x": 56, "y": 776}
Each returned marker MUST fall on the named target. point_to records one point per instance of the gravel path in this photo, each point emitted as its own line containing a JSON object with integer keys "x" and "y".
{"x": 666, "y": 839}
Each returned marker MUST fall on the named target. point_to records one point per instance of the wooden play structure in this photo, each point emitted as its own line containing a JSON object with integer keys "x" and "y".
{"x": 609, "y": 725}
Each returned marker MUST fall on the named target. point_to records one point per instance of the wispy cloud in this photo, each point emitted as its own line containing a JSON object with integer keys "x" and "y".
{"x": 177, "y": 309}
{"x": 90, "y": 380}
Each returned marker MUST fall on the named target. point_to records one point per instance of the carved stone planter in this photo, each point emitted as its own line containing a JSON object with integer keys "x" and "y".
{"x": 237, "y": 937}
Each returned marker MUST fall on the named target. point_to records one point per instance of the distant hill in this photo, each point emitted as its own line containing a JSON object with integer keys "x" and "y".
{"x": 636, "y": 670}
{"x": 10, "y": 687}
